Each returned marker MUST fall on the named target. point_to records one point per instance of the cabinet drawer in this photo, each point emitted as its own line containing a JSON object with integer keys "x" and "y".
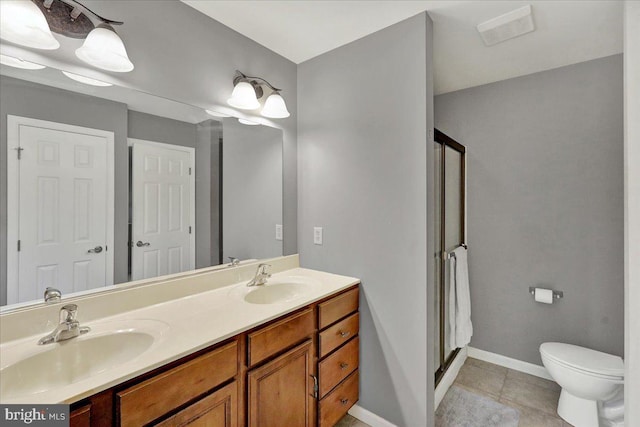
{"x": 336, "y": 308}
{"x": 338, "y": 366}
{"x": 218, "y": 409}
{"x": 156, "y": 396}
{"x": 336, "y": 335}
{"x": 337, "y": 403}
{"x": 279, "y": 336}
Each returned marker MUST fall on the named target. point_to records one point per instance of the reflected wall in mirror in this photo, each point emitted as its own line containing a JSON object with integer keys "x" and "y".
{"x": 104, "y": 185}
{"x": 252, "y": 195}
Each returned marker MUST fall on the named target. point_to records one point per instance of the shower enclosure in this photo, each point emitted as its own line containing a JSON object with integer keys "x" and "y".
{"x": 449, "y": 234}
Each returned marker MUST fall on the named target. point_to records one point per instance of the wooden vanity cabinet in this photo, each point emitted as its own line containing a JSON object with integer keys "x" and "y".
{"x": 339, "y": 324}
{"x": 300, "y": 370}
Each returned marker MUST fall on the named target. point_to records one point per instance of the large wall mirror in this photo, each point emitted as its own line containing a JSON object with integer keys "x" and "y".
{"x": 106, "y": 185}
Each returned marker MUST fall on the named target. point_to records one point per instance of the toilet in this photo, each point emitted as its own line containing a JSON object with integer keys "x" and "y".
{"x": 591, "y": 381}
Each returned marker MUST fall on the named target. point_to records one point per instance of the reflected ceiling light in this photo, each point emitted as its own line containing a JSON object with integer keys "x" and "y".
{"x": 19, "y": 63}
{"x": 248, "y": 122}
{"x": 86, "y": 80}
{"x": 22, "y": 22}
{"x": 247, "y": 90}
{"x": 105, "y": 50}
{"x": 217, "y": 114}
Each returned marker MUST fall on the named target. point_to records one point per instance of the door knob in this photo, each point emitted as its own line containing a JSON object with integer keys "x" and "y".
{"x": 95, "y": 250}
{"x": 140, "y": 244}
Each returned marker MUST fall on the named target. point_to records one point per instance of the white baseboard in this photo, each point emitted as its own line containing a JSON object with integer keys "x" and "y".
{"x": 369, "y": 417}
{"x": 508, "y": 362}
{"x": 449, "y": 376}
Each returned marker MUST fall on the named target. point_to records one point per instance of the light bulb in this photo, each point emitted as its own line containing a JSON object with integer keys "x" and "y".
{"x": 104, "y": 49}
{"x": 275, "y": 108}
{"x": 244, "y": 97}
{"x": 23, "y": 23}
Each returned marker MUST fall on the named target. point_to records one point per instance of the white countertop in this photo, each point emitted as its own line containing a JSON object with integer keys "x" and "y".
{"x": 193, "y": 322}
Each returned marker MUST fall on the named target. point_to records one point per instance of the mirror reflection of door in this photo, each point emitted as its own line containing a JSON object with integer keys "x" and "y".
{"x": 163, "y": 209}
{"x": 60, "y": 208}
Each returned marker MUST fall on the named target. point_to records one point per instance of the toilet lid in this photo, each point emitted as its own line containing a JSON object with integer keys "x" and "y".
{"x": 584, "y": 359}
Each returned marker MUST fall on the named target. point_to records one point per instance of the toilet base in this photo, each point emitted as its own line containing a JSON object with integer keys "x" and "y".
{"x": 578, "y": 411}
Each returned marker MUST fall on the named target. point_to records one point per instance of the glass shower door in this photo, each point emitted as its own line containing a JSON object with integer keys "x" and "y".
{"x": 449, "y": 171}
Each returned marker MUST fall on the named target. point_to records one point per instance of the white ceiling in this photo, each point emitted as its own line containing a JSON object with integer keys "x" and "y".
{"x": 567, "y": 32}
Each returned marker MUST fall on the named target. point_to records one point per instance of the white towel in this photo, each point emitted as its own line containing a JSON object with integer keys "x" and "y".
{"x": 461, "y": 328}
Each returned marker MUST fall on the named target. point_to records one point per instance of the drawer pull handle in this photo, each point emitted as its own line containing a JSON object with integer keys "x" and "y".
{"x": 344, "y": 401}
{"x": 343, "y": 365}
{"x": 344, "y": 334}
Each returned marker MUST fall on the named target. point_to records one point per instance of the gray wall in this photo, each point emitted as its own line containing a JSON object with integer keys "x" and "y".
{"x": 42, "y": 102}
{"x": 545, "y": 206}
{"x": 251, "y": 190}
{"x": 182, "y": 54}
{"x": 365, "y": 113}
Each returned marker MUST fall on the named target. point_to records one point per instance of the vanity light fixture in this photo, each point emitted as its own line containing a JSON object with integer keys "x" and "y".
{"x": 86, "y": 80}
{"x": 247, "y": 90}
{"x": 12, "y": 61}
{"x": 25, "y": 22}
{"x": 22, "y": 22}
{"x": 104, "y": 49}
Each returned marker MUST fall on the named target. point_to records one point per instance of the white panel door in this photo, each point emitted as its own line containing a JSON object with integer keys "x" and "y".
{"x": 163, "y": 207}
{"x": 63, "y": 211}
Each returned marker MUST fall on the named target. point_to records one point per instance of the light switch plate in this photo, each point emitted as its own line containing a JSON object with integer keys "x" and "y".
{"x": 317, "y": 235}
{"x": 278, "y": 231}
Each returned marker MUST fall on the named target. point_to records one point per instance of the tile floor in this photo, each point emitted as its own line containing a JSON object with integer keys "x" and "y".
{"x": 535, "y": 398}
{"x": 349, "y": 421}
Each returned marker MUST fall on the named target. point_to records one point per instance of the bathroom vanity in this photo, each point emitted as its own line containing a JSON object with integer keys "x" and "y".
{"x": 298, "y": 366}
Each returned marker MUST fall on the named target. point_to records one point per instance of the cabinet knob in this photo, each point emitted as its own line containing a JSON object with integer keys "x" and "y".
{"x": 344, "y": 401}
{"x": 344, "y": 333}
{"x": 343, "y": 365}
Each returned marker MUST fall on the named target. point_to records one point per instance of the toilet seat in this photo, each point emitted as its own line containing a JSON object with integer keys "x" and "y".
{"x": 585, "y": 360}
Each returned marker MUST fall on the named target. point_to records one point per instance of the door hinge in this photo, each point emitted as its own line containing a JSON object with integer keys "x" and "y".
{"x": 18, "y": 245}
{"x": 189, "y": 171}
{"x": 19, "y": 152}
{"x": 189, "y": 229}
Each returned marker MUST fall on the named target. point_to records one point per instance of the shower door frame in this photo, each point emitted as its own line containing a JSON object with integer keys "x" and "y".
{"x": 446, "y": 141}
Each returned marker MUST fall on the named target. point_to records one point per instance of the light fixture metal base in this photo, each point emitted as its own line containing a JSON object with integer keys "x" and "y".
{"x": 71, "y": 18}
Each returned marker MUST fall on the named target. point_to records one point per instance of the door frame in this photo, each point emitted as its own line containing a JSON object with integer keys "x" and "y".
{"x": 192, "y": 189}
{"x": 13, "y": 195}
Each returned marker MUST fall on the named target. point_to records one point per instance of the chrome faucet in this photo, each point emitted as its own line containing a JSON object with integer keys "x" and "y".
{"x": 52, "y": 295}
{"x": 233, "y": 261}
{"x": 68, "y": 327}
{"x": 261, "y": 275}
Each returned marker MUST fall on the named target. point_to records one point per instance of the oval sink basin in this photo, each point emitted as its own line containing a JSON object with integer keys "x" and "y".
{"x": 280, "y": 291}
{"x": 52, "y": 366}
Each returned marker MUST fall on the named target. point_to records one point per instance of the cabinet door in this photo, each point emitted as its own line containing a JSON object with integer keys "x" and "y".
{"x": 218, "y": 409}
{"x": 81, "y": 417}
{"x": 281, "y": 391}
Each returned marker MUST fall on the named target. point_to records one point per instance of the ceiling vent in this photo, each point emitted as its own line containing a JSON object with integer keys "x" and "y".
{"x": 507, "y": 26}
